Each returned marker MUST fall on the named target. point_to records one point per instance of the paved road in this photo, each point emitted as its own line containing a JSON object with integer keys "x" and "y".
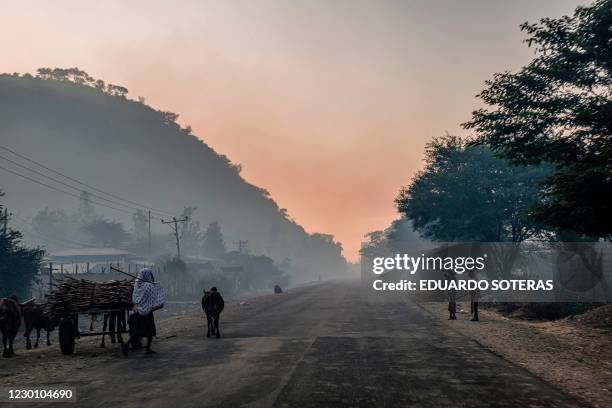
{"x": 319, "y": 346}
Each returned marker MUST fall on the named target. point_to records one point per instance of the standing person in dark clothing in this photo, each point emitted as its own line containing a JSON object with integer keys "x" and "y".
{"x": 474, "y": 297}
{"x": 147, "y": 297}
{"x": 213, "y": 305}
{"x": 452, "y": 304}
{"x": 452, "y": 296}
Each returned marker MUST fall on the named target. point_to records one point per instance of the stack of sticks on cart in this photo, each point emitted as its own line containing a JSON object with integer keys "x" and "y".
{"x": 70, "y": 295}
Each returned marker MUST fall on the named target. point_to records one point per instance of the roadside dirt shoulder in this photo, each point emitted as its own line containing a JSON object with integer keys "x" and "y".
{"x": 46, "y": 365}
{"x": 574, "y": 356}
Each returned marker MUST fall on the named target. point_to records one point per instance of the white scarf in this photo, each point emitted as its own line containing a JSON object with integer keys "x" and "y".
{"x": 147, "y": 295}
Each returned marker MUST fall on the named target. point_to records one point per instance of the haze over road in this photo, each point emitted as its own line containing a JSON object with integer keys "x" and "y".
{"x": 321, "y": 345}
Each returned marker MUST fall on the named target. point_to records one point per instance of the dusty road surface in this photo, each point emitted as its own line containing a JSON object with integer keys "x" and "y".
{"x": 315, "y": 346}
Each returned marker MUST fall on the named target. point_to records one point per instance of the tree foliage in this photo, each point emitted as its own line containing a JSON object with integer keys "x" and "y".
{"x": 190, "y": 232}
{"x": 81, "y": 78}
{"x": 19, "y": 265}
{"x": 87, "y": 211}
{"x": 106, "y": 233}
{"x": 213, "y": 244}
{"x": 558, "y": 109}
{"x": 399, "y": 237}
{"x": 174, "y": 276}
{"x": 51, "y": 223}
{"x": 140, "y": 220}
{"x": 258, "y": 271}
{"x": 465, "y": 193}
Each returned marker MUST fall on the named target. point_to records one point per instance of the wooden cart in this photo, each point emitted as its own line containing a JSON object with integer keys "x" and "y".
{"x": 108, "y": 302}
{"x": 69, "y": 331}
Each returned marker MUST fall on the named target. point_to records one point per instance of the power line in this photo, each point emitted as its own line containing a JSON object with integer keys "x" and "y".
{"x": 64, "y": 191}
{"x": 83, "y": 183}
{"x": 47, "y": 237}
{"x": 66, "y": 184}
{"x": 51, "y": 241}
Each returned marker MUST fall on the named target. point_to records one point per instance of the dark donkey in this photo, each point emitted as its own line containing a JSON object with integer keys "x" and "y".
{"x": 213, "y": 304}
{"x": 10, "y": 320}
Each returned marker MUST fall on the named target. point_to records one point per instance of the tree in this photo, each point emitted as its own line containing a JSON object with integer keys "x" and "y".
{"x": 100, "y": 85}
{"x": 375, "y": 244}
{"x": 398, "y": 237}
{"x": 19, "y": 265}
{"x": 106, "y": 233}
{"x": 86, "y": 208}
{"x": 465, "y": 193}
{"x": 401, "y": 236}
{"x": 169, "y": 118}
{"x": 141, "y": 224}
{"x": 214, "y": 245}
{"x": 116, "y": 90}
{"x": 257, "y": 271}
{"x": 80, "y": 77}
{"x": 558, "y": 109}
{"x": 175, "y": 277}
{"x": 52, "y": 223}
{"x": 190, "y": 232}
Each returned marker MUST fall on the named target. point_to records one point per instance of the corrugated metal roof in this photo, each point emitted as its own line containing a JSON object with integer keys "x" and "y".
{"x": 90, "y": 252}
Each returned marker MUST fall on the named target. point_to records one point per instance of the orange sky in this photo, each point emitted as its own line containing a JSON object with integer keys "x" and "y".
{"x": 327, "y": 104}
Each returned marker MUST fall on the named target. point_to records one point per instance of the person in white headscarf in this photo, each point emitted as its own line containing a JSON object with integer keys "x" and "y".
{"x": 147, "y": 297}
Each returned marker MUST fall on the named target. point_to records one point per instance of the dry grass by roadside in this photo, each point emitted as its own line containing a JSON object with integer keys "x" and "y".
{"x": 569, "y": 353}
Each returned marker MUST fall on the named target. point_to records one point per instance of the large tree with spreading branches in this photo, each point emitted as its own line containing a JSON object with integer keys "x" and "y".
{"x": 558, "y": 109}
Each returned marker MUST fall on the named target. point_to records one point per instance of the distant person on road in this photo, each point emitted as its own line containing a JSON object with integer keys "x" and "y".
{"x": 213, "y": 305}
{"x": 277, "y": 289}
{"x": 147, "y": 297}
{"x": 474, "y": 298}
{"x": 452, "y": 304}
{"x": 452, "y": 297}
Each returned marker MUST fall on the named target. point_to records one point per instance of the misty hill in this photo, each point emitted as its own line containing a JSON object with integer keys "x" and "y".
{"x": 92, "y": 131}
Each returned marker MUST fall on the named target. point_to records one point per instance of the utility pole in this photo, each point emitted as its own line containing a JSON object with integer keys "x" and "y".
{"x": 242, "y": 246}
{"x": 174, "y": 225}
{"x": 149, "y": 236}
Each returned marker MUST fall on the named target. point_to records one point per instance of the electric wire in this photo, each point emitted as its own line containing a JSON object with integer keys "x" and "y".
{"x": 152, "y": 209}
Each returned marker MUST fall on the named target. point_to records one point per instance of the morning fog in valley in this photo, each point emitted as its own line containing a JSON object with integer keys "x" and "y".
{"x": 306, "y": 204}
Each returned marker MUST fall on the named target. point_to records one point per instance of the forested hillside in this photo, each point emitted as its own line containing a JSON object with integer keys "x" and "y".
{"x": 90, "y": 130}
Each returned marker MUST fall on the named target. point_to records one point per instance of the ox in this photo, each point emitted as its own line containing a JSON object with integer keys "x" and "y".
{"x": 36, "y": 318}
{"x": 213, "y": 304}
{"x": 10, "y": 320}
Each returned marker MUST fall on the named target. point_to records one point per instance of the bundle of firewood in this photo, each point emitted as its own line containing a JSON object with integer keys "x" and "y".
{"x": 70, "y": 295}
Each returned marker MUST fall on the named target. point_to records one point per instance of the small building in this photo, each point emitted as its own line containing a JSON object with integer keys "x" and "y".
{"x": 202, "y": 264}
{"x": 90, "y": 256}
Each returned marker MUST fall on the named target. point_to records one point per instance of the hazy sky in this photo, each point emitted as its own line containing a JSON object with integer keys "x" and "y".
{"x": 327, "y": 104}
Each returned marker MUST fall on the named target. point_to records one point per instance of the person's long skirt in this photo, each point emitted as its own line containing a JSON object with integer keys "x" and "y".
{"x": 143, "y": 326}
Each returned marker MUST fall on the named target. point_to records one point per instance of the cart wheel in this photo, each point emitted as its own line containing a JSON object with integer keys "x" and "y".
{"x": 66, "y": 335}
